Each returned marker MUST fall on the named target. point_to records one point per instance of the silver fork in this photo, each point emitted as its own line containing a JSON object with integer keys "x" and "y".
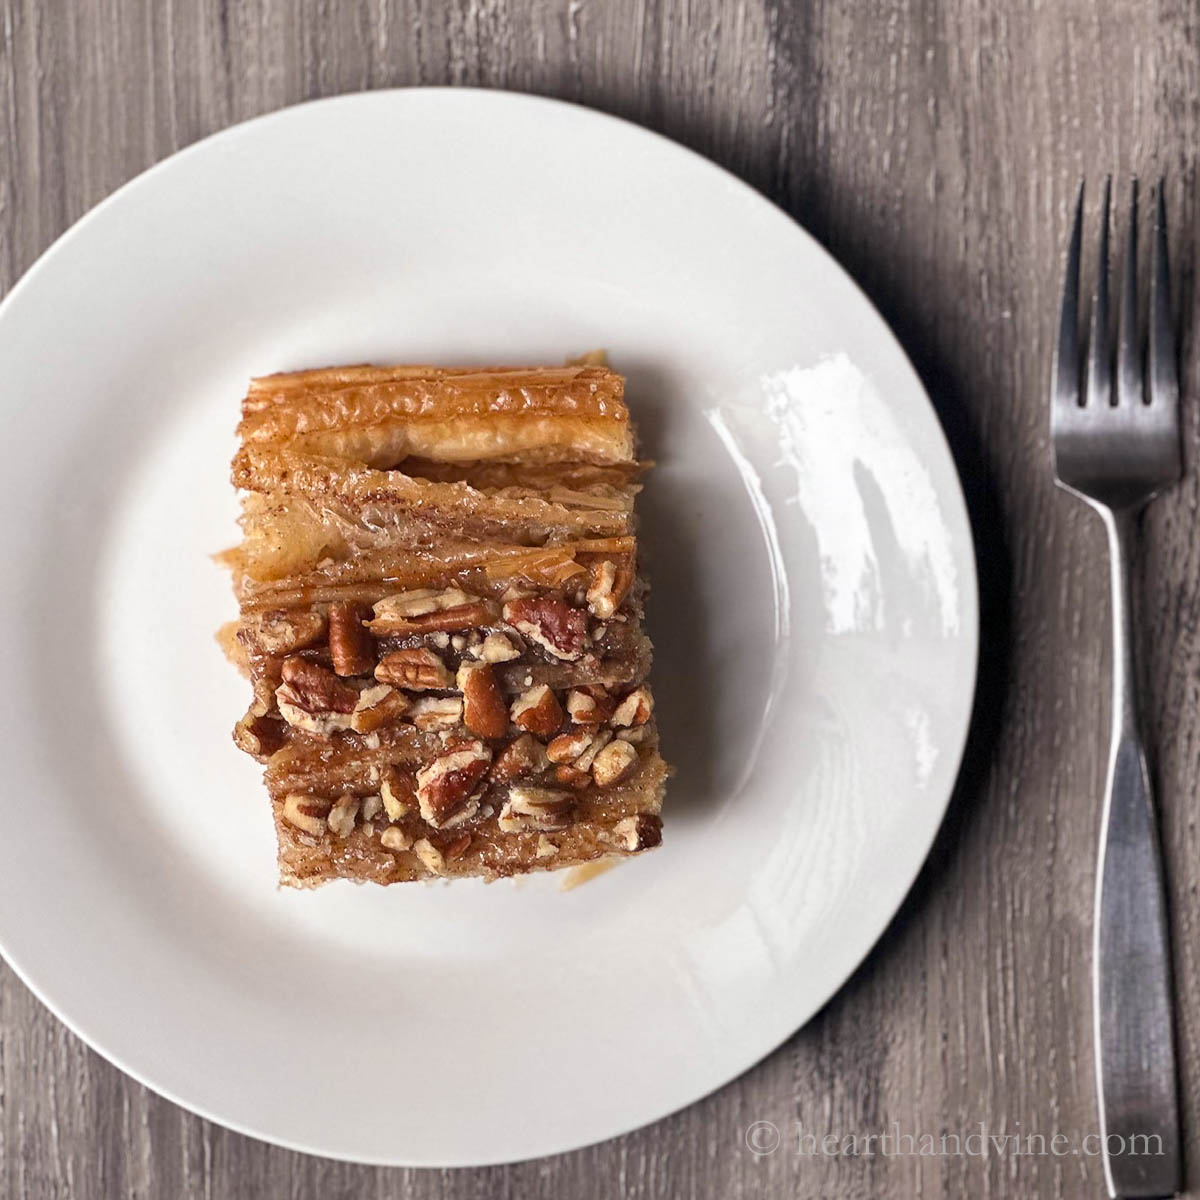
{"x": 1116, "y": 443}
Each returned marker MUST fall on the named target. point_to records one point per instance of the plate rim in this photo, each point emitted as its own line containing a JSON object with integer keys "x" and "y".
{"x": 969, "y": 607}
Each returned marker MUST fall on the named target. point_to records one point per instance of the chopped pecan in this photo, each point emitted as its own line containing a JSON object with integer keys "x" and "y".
{"x": 398, "y": 791}
{"x": 496, "y": 648}
{"x": 522, "y": 756}
{"x": 640, "y": 832}
{"x": 436, "y": 712}
{"x": 371, "y": 807}
{"x": 551, "y": 622}
{"x": 590, "y": 705}
{"x": 377, "y": 706}
{"x": 306, "y": 813}
{"x": 595, "y": 743}
{"x": 485, "y": 711}
{"x": 342, "y": 816}
{"x": 446, "y": 785}
{"x": 457, "y": 848}
{"x": 536, "y": 808}
{"x": 538, "y": 711}
{"x": 258, "y": 736}
{"x": 430, "y": 856}
{"x": 545, "y": 847}
{"x": 316, "y": 689}
{"x": 265, "y": 686}
{"x": 350, "y": 645}
{"x": 394, "y": 838}
{"x": 373, "y": 694}
{"x": 569, "y": 776}
{"x": 417, "y": 670}
{"x": 567, "y": 747}
{"x": 635, "y": 709}
{"x": 610, "y": 581}
{"x": 613, "y": 763}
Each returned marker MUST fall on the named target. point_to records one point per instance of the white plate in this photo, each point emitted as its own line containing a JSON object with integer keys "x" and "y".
{"x": 814, "y": 609}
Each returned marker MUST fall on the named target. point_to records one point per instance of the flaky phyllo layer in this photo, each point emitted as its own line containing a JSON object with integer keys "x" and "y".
{"x": 441, "y": 617}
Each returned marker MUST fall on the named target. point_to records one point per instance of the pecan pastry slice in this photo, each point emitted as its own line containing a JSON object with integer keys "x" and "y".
{"x": 441, "y": 618}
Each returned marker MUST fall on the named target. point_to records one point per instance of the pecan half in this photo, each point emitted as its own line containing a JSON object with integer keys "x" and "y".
{"x": 485, "y": 710}
{"x": 419, "y": 601}
{"x": 418, "y": 670}
{"x": 429, "y": 611}
{"x": 445, "y": 786}
{"x": 350, "y": 645}
{"x": 296, "y": 714}
{"x": 551, "y": 622}
{"x": 538, "y": 711}
{"x": 282, "y": 631}
{"x": 316, "y": 689}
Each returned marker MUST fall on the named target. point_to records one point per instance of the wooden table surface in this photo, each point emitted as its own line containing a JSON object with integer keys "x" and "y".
{"x": 934, "y": 148}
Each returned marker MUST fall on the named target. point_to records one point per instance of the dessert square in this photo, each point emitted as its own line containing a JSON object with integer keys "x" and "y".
{"x": 441, "y": 619}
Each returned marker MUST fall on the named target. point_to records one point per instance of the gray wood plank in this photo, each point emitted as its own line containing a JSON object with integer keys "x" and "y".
{"x": 934, "y": 148}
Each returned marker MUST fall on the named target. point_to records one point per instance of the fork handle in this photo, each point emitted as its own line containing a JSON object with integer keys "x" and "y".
{"x": 1134, "y": 1029}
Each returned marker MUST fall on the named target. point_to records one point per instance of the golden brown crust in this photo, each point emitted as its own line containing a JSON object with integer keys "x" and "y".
{"x": 380, "y": 416}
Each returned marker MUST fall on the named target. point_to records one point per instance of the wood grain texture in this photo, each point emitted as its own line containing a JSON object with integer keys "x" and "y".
{"x": 934, "y": 148}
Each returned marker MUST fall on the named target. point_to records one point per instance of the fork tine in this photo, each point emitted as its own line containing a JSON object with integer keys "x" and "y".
{"x": 1129, "y": 367}
{"x": 1116, "y": 453}
{"x": 1065, "y": 380}
{"x": 1099, "y": 372}
{"x": 1164, "y": 372}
